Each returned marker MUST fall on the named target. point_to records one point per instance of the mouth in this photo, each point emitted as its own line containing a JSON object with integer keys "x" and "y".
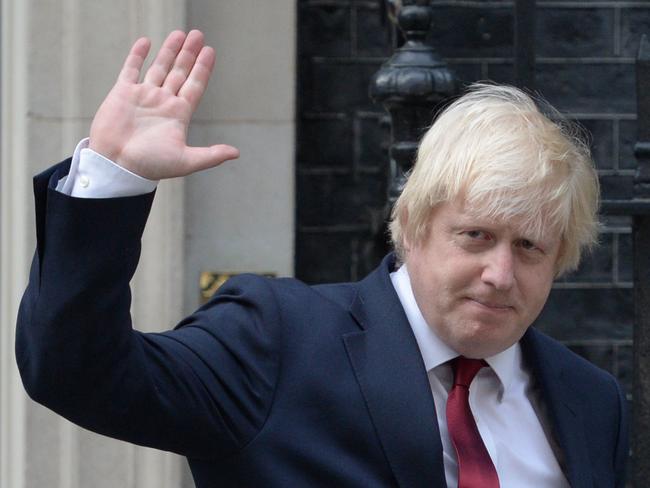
{"x": 490, "y": 305}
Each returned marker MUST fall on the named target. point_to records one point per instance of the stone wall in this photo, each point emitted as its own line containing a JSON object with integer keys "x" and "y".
{"x": 340, "y": 158}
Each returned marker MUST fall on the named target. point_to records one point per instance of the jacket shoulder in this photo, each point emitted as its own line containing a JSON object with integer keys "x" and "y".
{"x": 291, "y": 291}
{"x": 557, "y": 355}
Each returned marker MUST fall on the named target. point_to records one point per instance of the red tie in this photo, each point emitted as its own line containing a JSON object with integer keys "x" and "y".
{"x": 475, "y": 468}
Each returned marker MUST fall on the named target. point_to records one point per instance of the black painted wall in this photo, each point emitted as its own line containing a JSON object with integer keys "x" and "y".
{"x": 585, "y": 68}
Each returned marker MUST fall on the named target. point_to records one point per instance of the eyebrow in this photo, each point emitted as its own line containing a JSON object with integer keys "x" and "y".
{"x": 459, "y": 225}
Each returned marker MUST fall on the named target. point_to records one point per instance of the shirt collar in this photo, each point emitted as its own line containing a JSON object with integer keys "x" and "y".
{"x": 436, "y": 352}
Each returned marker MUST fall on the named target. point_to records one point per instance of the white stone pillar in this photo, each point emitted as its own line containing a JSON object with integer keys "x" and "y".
{"x": 240, "y": 216}
{"x": 58, "y": 61}
{"x": 16, "y": 240}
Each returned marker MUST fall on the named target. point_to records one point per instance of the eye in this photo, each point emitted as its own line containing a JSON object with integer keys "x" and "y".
{"x": 528, "y": 245}
{"x": 478, "y": 234}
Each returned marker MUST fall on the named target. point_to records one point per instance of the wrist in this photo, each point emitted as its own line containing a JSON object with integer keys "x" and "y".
{"x": 103, "y": 151}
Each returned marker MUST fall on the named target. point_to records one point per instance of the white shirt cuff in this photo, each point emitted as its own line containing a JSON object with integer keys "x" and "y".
{"x": 94, "y": 176}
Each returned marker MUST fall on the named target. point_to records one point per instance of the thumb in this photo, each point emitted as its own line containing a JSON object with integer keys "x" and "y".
{"x": 200, "y": 158}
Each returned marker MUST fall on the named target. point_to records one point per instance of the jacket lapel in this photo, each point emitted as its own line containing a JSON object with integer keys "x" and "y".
{"x": 565, "y": 410}
{"x": 389, "y": 369}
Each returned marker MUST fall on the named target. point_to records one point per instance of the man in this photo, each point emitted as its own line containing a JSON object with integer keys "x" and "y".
{"x": 425, "y": 374}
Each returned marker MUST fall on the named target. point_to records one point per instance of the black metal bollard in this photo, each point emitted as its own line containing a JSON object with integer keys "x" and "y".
{"x": 410, "y": 85}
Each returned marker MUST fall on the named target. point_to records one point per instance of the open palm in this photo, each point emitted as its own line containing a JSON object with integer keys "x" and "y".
{"x": 142, "y": 126}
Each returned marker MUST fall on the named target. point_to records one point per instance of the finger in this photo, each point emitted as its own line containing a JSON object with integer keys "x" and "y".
{"x": 164, "y": 61}
{"x": 184, "y": 62}
{"x": 134, "y": 60}
{"x": 197, "y": 82}
{"x": 199, "y": 158}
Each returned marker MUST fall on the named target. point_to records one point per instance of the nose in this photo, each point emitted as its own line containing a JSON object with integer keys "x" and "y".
{"x": 498, "y": 269}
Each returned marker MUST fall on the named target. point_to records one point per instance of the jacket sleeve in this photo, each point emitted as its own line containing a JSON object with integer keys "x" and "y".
{"x": 202, "y": 390}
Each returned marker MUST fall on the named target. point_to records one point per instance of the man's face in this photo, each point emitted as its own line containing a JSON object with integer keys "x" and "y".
{"x": 478, "y": 282}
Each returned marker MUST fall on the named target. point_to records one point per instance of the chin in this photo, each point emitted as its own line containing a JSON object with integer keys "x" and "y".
{"x": 479, "y": 352}
{"x": 478, "y": 346}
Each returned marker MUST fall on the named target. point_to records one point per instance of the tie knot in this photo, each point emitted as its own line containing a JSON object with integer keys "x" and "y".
{"x": 465, "y": 370}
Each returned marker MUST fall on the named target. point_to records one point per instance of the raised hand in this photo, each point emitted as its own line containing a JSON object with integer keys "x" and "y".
{"x": 142, "y": 126}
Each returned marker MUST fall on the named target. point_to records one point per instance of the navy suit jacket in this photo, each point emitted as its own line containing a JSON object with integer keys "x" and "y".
{"x": 273, "y": 382}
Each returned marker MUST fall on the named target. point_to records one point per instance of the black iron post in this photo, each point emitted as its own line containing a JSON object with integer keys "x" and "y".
{"x": 410, "y": 85}
{"x": 641, "y": 236}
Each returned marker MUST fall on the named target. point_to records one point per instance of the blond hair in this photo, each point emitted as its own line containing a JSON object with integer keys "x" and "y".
{"x": 494, "y": 150}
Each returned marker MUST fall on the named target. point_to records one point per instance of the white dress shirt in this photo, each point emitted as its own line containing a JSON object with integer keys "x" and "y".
{"x": 508, "y": 411}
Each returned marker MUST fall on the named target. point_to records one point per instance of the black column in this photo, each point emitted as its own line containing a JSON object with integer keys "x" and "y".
{"x": 641, "y": 236}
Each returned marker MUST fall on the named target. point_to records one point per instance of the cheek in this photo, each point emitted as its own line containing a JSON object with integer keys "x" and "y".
{"x": 438, "y": 294}
{"x": 456, "y": 276}
{"x": 438, "y": 278}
